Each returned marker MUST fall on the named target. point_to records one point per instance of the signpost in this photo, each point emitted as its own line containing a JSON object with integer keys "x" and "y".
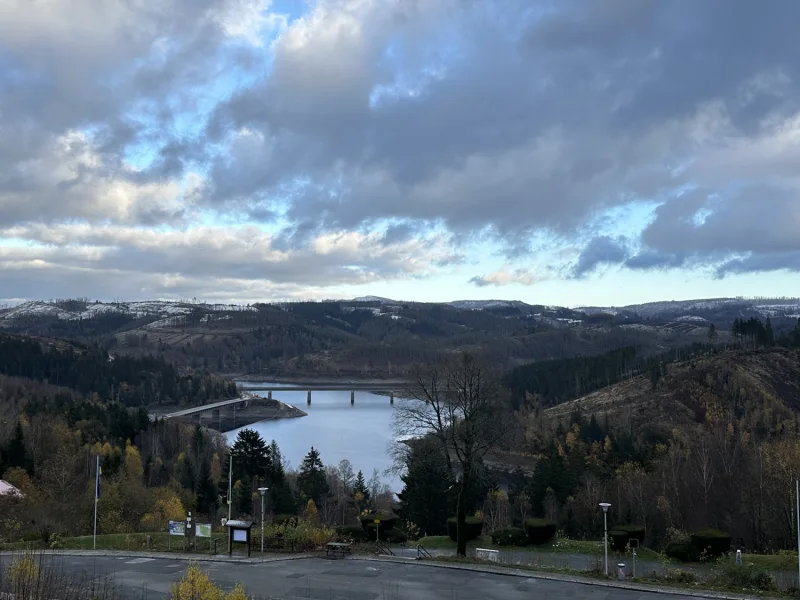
{"x": 377, "y": 530}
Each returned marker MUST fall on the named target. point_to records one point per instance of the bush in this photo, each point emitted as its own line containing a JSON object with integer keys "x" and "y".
{"x": 682, "y": 551}
{"x": 351, "y": 532}
{"x": 745, "y": 577}
{"x": 284, "y": 519}
{"x": 620, "y": 535}
{"x": 395, "y": 536}
{"x": 512, "y": 536}
{"x": 712, "y": 542}
{"x": 540, "y": 531}
{"x": 473, "y": 527}
{"x": 387, "y": 521}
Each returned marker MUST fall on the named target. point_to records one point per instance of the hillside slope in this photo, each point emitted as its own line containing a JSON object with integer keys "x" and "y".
{"x": 761, "y": 386}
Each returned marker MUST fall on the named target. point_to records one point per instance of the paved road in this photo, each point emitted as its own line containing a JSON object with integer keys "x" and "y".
{"x": 350, "y": 579}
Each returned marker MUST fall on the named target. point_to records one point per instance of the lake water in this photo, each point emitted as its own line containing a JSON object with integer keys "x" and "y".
{"x": 361, "y": 433}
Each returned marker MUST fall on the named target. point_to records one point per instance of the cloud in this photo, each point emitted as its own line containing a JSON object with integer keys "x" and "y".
{"x": 507, "y": 276}
{"x": 383, "y": 139}
{"x": 599, "y": 251}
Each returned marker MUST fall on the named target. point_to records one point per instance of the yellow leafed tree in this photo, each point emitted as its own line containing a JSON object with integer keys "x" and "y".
{"x": 133, "y": 462}
{"x": 195, "y": 585}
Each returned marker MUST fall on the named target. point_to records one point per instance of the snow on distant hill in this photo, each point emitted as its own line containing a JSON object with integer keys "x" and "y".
{"x": 373, "y": 299}
{"x": 74, "y": 310}
{"x": 481, "y": 304}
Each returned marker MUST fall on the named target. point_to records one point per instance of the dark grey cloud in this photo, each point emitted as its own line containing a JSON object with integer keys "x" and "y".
{"x": 542, "y": 121}
{"x": 601, "y": 250}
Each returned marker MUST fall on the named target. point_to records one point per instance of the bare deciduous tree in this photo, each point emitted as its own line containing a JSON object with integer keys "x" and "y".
{"x": 459, "y": 404}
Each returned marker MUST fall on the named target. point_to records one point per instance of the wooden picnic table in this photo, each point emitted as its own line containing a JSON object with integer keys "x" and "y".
{"x": 339, "y": 549}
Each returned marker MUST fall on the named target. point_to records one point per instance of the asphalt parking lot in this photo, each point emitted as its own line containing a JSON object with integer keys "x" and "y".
{"x": 349, "y": 579}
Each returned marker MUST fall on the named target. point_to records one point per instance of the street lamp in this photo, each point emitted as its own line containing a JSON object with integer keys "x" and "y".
{"x": 262, "y": 491}
{"x": 605, "y": 506}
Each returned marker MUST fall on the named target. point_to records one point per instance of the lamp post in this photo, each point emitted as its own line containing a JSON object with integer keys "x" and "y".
{"x": 605, "y": 506}
{"x": 262, "y": 491}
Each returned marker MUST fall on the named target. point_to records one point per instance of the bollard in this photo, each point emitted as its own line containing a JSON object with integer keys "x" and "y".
{"x": 621, "y": 571}
{"x": 738, "y": 557}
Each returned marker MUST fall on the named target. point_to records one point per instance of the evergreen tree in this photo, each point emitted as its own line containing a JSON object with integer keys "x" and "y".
{"x": 361, "y": 492}
{"x": 427, "y": 499}
{"x": 251, "y": 456}
{"x": 14, "y": 455}
{"x": 769, "y": 334}
{"x": 205, "y": 491}
{"x": 311, "y": 481}
{"x": 712, "y": 333}
{"x": 280, "y": 493}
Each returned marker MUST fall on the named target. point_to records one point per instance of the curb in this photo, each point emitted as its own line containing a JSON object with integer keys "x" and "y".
{"x": 509, "y": 572}
{"x": 166, "y": 556}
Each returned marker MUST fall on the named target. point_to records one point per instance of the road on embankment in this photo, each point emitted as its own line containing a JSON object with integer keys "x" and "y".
{"x": 348, "y": 579}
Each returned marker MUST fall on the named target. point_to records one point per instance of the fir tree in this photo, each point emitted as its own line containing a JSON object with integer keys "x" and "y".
{"x": 205, "y": 491}
{"x": 311, "y": 481}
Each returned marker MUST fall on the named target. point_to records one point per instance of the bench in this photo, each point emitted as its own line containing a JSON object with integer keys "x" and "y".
{"x": 337, "y": 549}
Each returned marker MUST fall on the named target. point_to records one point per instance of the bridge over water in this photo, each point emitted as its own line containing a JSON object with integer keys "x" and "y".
{"x": 243, "y": 401}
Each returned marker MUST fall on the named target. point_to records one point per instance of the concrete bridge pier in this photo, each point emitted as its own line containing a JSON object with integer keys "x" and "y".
{"x": 308, "y": 399}
{"x": 269, "y": 395}
{"x": 352, "y": 397}
{"x": 391, "y": 397}
{"x": 197, "y": 417}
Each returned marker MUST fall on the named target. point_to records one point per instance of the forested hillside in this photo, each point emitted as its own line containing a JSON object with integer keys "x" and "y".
{"x": 90, "y": 370}
{"x": 711, "y": 441}
{"x": 354, "y": 339}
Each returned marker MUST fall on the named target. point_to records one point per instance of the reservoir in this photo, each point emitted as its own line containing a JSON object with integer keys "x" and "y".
{"x": 361, "y": 433}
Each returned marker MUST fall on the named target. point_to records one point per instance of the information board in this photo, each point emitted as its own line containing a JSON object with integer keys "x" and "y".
{"x": 239, "y": 535}
{"x": 203, "y": 530}
{"x": 177, "y": 528}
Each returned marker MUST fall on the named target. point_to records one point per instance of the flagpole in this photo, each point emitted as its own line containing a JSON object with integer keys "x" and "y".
{"x": 96, "y": 497}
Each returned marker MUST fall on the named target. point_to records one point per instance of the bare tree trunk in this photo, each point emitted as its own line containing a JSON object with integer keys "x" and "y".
{"x": 461, "y": 514}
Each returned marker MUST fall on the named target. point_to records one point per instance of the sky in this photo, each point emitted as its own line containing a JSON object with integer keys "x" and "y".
{"x": 567, "y": 152}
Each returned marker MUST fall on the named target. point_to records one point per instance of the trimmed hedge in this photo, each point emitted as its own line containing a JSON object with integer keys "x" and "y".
{"x": 711, "y": 541}
{"x": 473, "y": 527}
{"x": 682, "y": 551}
{"x": 512, "y": 536}
{"x": 540, "y": 531}
{"x": 351, "y": 532}
{"x": 621, "y": 534}
{"x": 387, "y": 522}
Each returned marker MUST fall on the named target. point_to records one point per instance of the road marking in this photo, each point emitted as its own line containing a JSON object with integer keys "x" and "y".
{"x": 138, "y": 561}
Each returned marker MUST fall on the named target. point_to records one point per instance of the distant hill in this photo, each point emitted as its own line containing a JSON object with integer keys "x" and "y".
{"x": 372, "y": 336}
{"x": 762, "y": 386}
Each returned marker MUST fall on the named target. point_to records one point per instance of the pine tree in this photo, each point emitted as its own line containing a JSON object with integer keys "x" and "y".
{"x": 251, "y": 456}
{"x": 311, "y": 481}
{"x": 769, "y": 334}
{"x": 360, "y": 486}
{"x": 205, "y": 491}
{"x": 712, "y": 333}
{"x": 427, "y": 499}
{"x": 14, "y": 455}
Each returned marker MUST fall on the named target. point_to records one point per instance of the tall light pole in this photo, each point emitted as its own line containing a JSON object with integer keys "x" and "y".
{"x": 605, "y": 506}
{"x": 262, "y": 491}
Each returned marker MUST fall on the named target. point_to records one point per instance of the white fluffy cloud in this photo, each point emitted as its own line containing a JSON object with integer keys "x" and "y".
{"x": 358, "y": 129}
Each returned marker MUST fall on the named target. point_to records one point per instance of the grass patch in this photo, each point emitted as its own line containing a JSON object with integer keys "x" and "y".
{"x": 157, "y": 542}
{"x": 557, "y": 545}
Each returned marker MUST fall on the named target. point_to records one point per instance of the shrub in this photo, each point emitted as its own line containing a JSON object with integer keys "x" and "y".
{"x": 682, "y": 551}
{"x": 473, "y": 527}
{"x": 511, "y": 536}
{"x": 711, "y": 541}
{"x": 620, "y": 535}
{"x": 351, "y": 532}
{"x": 745, "y": 577}
{"x": 387, "y": 521}
{"x": 395, "y": 536}
{"x": 284, "y": 519}
{"x": 540, "y": 531}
